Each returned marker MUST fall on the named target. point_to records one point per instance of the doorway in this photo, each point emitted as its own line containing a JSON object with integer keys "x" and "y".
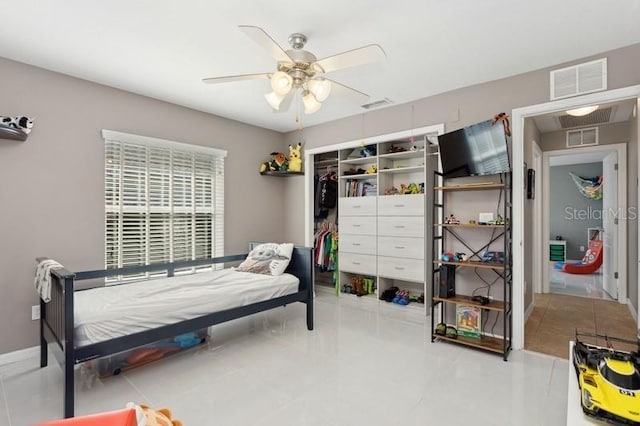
{"x": 580, "y": 218}
{"x": 518, "y": 115}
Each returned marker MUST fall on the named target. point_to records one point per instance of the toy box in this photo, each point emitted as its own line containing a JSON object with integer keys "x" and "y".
{"x": 468, "y": 320}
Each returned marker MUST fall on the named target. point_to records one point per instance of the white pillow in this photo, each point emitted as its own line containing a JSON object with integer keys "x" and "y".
{"x": 268, "y": 259}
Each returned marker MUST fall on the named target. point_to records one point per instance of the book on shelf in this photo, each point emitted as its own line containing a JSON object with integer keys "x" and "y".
{"x": 468, "y": 320}
{"x": 359, "y": 188}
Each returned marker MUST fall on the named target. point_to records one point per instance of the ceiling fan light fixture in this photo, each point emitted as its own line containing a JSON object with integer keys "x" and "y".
{"x": 579, "y": 112}
{"x": 320, "y": 87}
{"x": 281, "y": 83}
{"x": 310, "y": 102}
{"x": 274, "y": 100}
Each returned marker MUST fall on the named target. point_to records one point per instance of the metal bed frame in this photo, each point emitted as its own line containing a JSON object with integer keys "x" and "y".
{"x": 57, "y": 316}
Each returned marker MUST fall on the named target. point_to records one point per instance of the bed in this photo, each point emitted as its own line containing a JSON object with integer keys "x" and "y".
{"x": 75, "y": 334}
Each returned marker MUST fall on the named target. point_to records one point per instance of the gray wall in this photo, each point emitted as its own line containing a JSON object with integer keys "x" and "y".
{"x": 52, "y": 185}
{"x": 456, "y": 109}
{"x": 565, "y": 200}
{"x": 607, "y": 134}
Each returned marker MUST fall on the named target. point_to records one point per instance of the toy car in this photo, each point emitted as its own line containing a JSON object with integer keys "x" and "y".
{"x": 609, "y": 381}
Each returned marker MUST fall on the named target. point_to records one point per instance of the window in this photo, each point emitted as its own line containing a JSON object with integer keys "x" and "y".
{"x": 164, "y": 201}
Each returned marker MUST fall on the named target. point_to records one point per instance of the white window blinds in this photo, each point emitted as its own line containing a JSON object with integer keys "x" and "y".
{"x": 164, "y": 201}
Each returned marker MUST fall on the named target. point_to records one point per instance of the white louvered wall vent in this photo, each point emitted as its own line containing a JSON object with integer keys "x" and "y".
{"x": 582, "y": 137}
{"x": 579, "y": 79}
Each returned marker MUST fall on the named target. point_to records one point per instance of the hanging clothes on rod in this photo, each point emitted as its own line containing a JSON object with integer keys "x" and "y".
{"x": 326, "y": 193}
{"x": 326, "y": 247}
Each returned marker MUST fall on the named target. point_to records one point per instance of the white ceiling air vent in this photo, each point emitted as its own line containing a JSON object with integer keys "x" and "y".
{"x": 377, "y": 104}
{"x": 582, "y": 137}
{"x": 579, "y": 79}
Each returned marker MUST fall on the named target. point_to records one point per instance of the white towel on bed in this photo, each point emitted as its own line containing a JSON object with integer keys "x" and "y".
{"x": 42, "y": 281}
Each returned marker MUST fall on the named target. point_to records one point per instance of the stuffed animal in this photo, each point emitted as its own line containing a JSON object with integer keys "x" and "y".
{"x": 21, "y": 123}
{"x": 295, "y": 158}
{"x": 278, "y": 162}
{"x": 371, "y": 170}
{"x": 147, "y": 416}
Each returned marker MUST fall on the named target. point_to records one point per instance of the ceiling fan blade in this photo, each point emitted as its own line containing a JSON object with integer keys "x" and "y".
{"x": 347, "y": 92}
{"x": 258, "y": 35}
{"x": 239, "y": 77}
{"x": 351, "y": 58}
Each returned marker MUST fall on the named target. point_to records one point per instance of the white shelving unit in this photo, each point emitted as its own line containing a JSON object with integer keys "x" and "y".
{"x": 383, "y": 234}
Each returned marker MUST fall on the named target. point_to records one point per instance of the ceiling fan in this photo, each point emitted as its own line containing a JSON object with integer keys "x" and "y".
{"x": 299, "y": 71}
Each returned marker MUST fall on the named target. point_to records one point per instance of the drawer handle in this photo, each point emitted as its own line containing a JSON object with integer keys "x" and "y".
{"x": 399, "y": 226}
{"x": 356, "y": 226}
{"x": 399, "y": 268}
{"x": 357, "y": 206}
{"x": 398, "y": 205}
{"x": 356, "y": 244}
{"x": 355, "y": 263}
{"x": 399, "y": 247}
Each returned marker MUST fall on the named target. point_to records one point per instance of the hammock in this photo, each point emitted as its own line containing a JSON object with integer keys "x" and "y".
{"x": 589, "y": 187}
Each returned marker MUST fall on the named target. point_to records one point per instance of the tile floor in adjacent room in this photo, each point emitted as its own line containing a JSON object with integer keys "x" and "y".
{"x": 364, "y": 364}
{"x": 585, "y": 285}
{"x": 555, "y": 317}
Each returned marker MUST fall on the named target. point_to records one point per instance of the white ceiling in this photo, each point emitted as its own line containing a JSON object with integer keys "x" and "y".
{"x": 162, "y": 48}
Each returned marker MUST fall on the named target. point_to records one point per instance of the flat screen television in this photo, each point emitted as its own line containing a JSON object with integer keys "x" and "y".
{"x": 476, "y": 150}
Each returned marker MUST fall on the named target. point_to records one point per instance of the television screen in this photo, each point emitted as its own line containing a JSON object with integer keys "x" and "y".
{"x": 479, "y": 149}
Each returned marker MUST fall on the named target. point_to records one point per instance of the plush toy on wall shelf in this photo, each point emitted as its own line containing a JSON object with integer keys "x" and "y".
{"x": 277, "y": 163}
{"x": 295, "y": 158}
{"x": 15, "y": 128}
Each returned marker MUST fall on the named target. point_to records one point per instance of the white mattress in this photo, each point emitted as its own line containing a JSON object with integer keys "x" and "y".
{"x": 107, "y": 312}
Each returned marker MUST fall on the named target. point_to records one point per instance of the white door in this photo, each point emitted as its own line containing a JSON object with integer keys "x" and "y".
{"x": 610, "y": 216}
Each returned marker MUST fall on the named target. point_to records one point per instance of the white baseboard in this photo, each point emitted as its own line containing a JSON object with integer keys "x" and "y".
{"x": 529, "y": 311}
{"x": 21, "y": 355}
{"x": 634, "y": 314}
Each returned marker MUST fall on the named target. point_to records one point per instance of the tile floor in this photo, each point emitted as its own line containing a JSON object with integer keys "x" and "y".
{"x": 364, "y": 364}
{"x": 555, "y": 317}
{"x": 585, "y": 285}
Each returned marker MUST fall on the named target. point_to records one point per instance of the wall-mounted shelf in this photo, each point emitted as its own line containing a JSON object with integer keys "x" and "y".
{"x": 281, "y": 174}
{"x": 11, "y": 133}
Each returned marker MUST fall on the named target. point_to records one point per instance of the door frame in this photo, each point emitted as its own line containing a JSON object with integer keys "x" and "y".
{"x": 537, "y": 221}
{"x": 518, "y": 115}
{"x": 621, "y": 150}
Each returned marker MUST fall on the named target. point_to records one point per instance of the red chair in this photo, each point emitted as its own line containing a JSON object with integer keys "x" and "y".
{"x": 591, "y": 262}
{"x": 124, "y": 417}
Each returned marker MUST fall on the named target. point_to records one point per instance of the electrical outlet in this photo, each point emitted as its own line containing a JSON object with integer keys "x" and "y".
{"x": 35, "y": 312}
{"x": 581, "y": 248}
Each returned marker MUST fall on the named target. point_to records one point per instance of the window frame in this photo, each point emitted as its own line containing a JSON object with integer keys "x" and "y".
{"x": 172, "y": 150}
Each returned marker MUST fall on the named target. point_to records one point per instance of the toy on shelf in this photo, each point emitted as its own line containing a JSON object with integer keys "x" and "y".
{"x": 371, "y": 170}
{"x": 401, "y": 297}
{"x": 278, "y": 162}
{"x": 368, "y": 151}
{"x": 392, "y": 191}
{"x": 451, "y": 220}
{"x": 295, "y": 158}
{"x": 389, "y": 294}
{"x": 395, "y": 148}
{"x": 449, "y": 257}
{"x": 462, "y": 257}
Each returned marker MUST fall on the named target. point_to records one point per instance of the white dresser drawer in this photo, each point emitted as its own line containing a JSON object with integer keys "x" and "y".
{"x": 402, "y": 269}
{"x": 401, "y": 205}
{"x": 362, "y": 225}
{"x": 412, "y": 248}
{"x": 358, "y": 263}
{"x": 357, "y": 206}
{"x": 363, "y": 244}
{"x": 396, "y": 226}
